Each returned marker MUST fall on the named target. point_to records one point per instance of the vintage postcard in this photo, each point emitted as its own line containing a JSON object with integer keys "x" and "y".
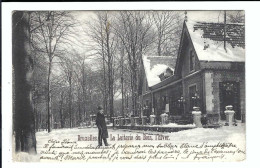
{"x": 128, "y": 86}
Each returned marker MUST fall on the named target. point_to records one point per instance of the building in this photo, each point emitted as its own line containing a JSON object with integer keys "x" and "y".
{"x": 209, "y": 73}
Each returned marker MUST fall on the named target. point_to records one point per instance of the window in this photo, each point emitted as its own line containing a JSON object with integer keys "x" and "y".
{"x": 164, "y": 102}
{"x": 155, "y": 102}
{"x": 192, "y": 91}
{"x": 145, "y": 85}
{"x": 192, "y": 61}
{"x": 146, "y": 102}
{"x": 146, "y": 108}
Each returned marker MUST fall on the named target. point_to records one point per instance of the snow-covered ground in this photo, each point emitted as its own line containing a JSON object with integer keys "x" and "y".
{"x": 193, "y": 135}
{"x": 234, "y": 134}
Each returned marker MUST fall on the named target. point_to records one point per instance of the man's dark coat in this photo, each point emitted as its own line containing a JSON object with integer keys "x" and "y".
{"x": 101, "y": 124}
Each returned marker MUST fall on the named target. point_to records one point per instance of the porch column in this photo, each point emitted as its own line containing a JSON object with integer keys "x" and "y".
{"x": 209, "y": 98}
{"x": 152, "y": 103}
{"x": 184, "y": 95}
{"x": 209, "y": 92}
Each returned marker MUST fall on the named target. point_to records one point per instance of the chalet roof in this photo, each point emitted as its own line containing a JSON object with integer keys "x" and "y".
{"x": 208, "y": 41}
{"x": 211, "y": 35}
{"x": 156, "y": 65}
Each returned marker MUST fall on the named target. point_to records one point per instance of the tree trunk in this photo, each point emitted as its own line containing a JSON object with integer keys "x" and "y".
{"x": 122, "y": 80}
{"x": 110, "y": 74}
{"x": 49, "y": 99}
{"x": 70, "y": 101}
{"x": 79, "y": 108}
{"x": 111, "y": 95}
{"x": 104, "y": 72}
{"x": 61, "y": 111}
{"x": 122, "y": 92}
{"x": 84, "y": 92}
{"x": 159, "y": 45}
{"x": 105, "y": 86}
{"x": 110, "y": 91}
{"x": 24, "y": 122}
{"x": 134, "y": 89}
{"x": 50, "y": 54}
{"x": 84, "y": 105}
{"x": 36, "y": 115}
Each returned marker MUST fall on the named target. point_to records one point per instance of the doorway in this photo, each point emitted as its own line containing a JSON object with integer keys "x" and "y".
{"x": 229, "y": 94}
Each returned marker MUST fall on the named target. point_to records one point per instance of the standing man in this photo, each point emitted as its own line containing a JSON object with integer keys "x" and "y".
{"x": 102, "y": 127}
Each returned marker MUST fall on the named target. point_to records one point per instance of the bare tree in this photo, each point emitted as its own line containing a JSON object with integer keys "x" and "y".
{"x": 236, "y": 16}
{"x": 39, "y": 85}
{"x": 49, "y": 30}
{"x": 79, "y": 62}
{"x": 167, "y": 26}
{"x": 62, "y": 96}
{"x": 81, "y": 86}
{"x": 67, "y": 66}
{"x": 94, "y": 88}
{"x": 122, "y": 53}
{"x": 59, "y": 94}
{"x": 133, "y": 29}
{"x": 101, "y": 33}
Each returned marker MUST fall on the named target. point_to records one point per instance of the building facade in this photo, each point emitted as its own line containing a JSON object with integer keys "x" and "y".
{"x": 209, "y": 73}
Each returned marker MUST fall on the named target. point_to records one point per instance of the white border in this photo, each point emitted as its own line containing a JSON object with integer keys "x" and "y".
{"x": 252, "y": 60}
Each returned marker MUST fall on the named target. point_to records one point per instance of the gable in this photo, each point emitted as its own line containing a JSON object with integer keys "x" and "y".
{"x": 182, "y": 67}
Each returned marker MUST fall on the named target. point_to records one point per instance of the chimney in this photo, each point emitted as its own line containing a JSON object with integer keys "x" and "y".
{"x": 185, "y": 18}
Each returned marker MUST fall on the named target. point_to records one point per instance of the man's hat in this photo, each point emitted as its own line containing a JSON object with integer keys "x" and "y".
{"x": 100, "y": 107}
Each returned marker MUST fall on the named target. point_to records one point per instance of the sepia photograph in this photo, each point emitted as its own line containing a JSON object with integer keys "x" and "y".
{"x": 129, "y": 84}
{"x": 124, "y": 85}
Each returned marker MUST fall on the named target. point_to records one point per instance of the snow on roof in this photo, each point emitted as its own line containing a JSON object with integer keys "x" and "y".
{"x": 215, "y": 50}
{"x": 153, "y": 71}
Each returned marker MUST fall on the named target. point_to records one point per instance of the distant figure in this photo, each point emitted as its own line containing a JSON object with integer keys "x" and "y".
{"x": 102, "y": 127}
